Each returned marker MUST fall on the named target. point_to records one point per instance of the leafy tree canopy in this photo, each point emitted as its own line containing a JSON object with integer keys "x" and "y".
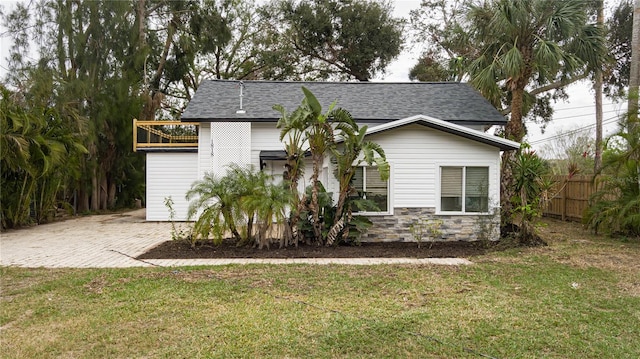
{"x": 619, "y": 28}
{"x": 356, "y": 38}
{"x": 499, "y": 46}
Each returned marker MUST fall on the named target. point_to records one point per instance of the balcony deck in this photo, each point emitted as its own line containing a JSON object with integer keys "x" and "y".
{"x": 167, "y": 135}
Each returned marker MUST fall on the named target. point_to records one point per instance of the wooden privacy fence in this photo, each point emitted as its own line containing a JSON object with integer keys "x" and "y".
{"x": 571, "y": 197}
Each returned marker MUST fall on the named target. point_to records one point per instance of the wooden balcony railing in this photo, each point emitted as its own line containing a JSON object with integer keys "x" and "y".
{"x": 164, "y": 134}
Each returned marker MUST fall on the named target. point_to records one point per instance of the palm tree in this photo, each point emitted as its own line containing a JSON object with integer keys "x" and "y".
{"x": 615, "y": 208}
{"x": 317, "y": 130}
{"x": 309, "y": 129}
{"x": 216, "y": 198}
{"x": 269, "y": 204}
{"x": 291, "y": 127}
{"x": 525, "y": 43}
{"x": 319, "y": 135}
{"x": 347, "y": 158}
{"x": 35, "y": 147}
{"x": 243, "y": 194}
{"x": 245, "y": 182}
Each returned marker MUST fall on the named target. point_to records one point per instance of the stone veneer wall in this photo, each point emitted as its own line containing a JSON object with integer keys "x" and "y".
{"x": 395, "y": 227}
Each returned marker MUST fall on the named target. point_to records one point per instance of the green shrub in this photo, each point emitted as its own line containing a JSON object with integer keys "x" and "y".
{"x": 615, "y": 208}
{"x": 532, "y": 191}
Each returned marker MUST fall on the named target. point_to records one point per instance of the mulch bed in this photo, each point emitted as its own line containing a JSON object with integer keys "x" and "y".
{"x": 183, "y": 250}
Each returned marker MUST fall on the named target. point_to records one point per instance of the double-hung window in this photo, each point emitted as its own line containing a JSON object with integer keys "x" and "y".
{"x": 369, "y": 186}
{"x": 464, "y": 189}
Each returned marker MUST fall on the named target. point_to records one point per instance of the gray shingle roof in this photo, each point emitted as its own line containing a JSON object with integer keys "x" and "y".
{"x": 218, "y": 100}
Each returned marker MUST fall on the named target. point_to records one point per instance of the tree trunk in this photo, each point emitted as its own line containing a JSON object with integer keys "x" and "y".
{"x": 598, "y": 97}
{"x": 293, "y": 232}
{"x": 513, "y": 131}
{"x": 515, "y": 128}
{"x": 111, "y": 195}
{"x": 597, "y": 164}
{"x": 232, "y": 225}
{"x": 506, "y": 187}
{"x": 250, "y": 228}
{"x": 338, "y": 225}
{"x": 95, "y": 191}
{"x": 634, "y": 73}
{"x": 154, "y": 96}
{"x": 104, "y": 186}
{"x": 314, "y": 206}
{"x": 83, "y": 200}
{"x": 142, "y": 20}
{"x": 634, "y": 77}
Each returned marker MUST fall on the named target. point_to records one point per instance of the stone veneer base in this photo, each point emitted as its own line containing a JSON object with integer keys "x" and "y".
{"x": 396, "y": 227}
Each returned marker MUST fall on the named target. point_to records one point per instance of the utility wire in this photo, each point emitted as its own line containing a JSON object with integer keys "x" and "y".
{"x": 560, "y": 135}
{"x": 607, "y": 121}
{"x": 582, "y": 115}
{"x": 579, "y": 107}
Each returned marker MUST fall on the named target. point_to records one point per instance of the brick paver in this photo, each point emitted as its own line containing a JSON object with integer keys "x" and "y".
{"x": 114, "y": 240}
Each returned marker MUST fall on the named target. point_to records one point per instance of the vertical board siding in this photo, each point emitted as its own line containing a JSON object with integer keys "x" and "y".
{"x": 204, "y": 149}
{"x": 231, "y": 144}
{"x": 169, "y": 174}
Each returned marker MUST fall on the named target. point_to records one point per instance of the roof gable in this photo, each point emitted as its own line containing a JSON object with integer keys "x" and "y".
{"x": 452, "y": 128}
{"x": 218, "y": 100}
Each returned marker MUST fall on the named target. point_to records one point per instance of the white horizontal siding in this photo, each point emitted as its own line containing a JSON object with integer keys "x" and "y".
{"x": 415, "y": 152}
{"x": 169, "y": 174}
{"x": 264, "y": 137}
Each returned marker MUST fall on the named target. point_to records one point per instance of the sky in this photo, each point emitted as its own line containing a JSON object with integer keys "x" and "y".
{"x": 577, "y": 112}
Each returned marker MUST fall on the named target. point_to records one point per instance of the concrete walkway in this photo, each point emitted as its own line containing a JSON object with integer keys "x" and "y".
{"x": 113, "y": 241}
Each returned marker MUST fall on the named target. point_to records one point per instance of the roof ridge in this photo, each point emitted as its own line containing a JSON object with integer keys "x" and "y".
{"x": 218, "y": 100}
{"x": 343, "y": 82}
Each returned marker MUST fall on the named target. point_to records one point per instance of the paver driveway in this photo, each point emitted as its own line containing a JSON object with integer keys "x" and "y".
{"x": 114, "y": 240}
{"x": 91, "y": 241}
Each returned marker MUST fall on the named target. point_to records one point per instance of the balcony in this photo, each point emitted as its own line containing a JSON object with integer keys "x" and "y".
{"x": 165, "y": 136}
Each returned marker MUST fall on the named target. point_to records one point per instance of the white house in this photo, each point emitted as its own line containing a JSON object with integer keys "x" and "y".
{"x": 443, "y": 166}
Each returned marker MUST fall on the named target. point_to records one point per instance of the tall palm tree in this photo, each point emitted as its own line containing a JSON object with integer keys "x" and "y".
{"x": 35, "y": 147}
{"x": 615, "y": 208}
{"x": 317, "y": 132}
{"x": 319, "y": 135}
{"x": 525, "y": 43}
{"x": 291, "y": 128}
{"x": 354, "y": 151}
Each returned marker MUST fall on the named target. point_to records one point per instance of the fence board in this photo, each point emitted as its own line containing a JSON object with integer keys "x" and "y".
{"x": 571, "y": 197}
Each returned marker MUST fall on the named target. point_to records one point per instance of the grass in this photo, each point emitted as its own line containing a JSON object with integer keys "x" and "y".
{"x": 577, "y": 298}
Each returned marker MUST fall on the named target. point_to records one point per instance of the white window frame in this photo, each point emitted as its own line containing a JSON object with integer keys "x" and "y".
{"x": 389, "y": 210}
{"x": 490, "y": 187}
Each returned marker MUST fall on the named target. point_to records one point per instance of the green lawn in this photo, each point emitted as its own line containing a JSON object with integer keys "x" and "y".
{"x": 577, "y": 298}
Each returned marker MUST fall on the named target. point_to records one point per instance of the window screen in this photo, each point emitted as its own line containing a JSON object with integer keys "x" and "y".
{"x": 451, "y": 189}
{"x": 369, "y": 186}
{"x": 477, "y": 189}
{"x": 470, "y": 183}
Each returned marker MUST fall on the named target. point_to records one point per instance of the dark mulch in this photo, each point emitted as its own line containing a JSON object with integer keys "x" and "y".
{"x": 181, "y": 249}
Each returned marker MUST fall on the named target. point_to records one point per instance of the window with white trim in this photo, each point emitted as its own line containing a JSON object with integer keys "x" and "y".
{"x": 464, "y": 189}
{"x": 369, "y": 186}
